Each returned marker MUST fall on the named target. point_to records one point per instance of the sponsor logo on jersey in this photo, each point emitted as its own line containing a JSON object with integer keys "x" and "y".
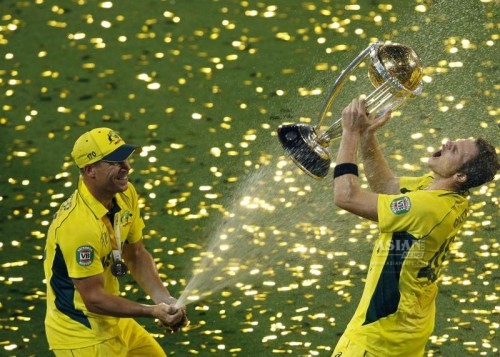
{"x": 401, "y": 205}
{"x": 85, "y": 255}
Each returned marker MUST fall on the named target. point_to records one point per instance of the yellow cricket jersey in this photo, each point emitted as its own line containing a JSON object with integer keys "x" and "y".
{"x": 78, "y": 246}
{"x": 395, "y": 316}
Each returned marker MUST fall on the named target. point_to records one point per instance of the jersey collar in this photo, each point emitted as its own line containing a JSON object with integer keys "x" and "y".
{"x": 95, "y": 206}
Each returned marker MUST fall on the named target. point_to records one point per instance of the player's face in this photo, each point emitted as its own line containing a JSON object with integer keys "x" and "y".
{"x": 113, "y": 176}
{"x": 452, "y": 155}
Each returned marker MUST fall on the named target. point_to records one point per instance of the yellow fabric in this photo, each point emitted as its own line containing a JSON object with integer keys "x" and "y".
{"x": 347, "y": 348}
{"x": 133, "y": 341}
{"x": 78, "y": 246}
{"x": 396, "y": 313}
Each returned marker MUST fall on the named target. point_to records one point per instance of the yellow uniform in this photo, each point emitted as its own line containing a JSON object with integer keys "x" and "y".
{"x": 395, "y": 316}
{"x": 78, "y": 246}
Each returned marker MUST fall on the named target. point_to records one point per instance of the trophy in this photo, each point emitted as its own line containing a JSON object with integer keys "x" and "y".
{"x": 395, "y": 71}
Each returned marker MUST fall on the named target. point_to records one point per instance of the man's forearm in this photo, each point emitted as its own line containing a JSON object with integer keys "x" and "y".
{"x": 377, "y": 170}
{"x": 345, "y": 185}
{"x": 144, "y": 272}
{"x": 347, "y": 151}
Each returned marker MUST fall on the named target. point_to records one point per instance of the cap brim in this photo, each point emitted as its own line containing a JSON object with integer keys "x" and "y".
{"x": 122, "y": 153}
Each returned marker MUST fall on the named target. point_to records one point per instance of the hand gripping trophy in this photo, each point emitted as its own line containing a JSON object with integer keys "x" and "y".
{"x": 395, "y": 71}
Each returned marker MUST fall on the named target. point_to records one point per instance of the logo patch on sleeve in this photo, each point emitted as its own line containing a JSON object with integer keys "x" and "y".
{"x": 85, "y": 255}
{"x": 401, "y": 205}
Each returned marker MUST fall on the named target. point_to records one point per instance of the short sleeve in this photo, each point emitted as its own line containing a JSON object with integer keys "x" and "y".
{"x": 81, "y": 252}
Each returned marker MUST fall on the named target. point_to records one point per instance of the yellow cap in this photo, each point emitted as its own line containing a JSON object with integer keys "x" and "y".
{"x": 101, "y": 144}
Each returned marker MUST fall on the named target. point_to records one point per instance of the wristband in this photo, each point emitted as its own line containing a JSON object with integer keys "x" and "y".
{"x": 344, "y": 169}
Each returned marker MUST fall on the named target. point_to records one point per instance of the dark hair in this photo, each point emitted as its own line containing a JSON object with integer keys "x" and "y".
{"x": 482, "y": 168}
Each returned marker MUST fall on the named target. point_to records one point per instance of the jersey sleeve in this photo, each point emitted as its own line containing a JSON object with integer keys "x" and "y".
{"x": 81, "y": 252}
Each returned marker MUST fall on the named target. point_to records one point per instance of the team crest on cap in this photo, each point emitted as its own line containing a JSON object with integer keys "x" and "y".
{"x": 401, "y": 205}
{"x": 85, "y": 255}
{"x": 113, "y": 137}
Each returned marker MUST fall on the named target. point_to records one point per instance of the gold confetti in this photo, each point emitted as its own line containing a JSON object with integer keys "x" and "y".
{"x": 203, "y": 89}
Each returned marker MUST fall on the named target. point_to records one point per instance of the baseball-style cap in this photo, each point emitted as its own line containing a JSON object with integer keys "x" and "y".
{"x": 101, "y": 144}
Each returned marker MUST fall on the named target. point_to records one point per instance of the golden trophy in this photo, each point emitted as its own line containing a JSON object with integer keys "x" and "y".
{"x": 395, "y": 71}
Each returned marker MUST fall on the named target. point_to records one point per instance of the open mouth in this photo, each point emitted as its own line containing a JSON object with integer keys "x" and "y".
{"x": 437, "y": 154}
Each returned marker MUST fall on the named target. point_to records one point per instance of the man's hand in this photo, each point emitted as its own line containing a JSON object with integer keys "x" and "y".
{"x": 355, "y": 119}
{"x": 170, "y": 316}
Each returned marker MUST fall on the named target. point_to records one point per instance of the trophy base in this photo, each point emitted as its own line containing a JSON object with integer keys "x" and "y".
{"x": 301, "y": 144}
